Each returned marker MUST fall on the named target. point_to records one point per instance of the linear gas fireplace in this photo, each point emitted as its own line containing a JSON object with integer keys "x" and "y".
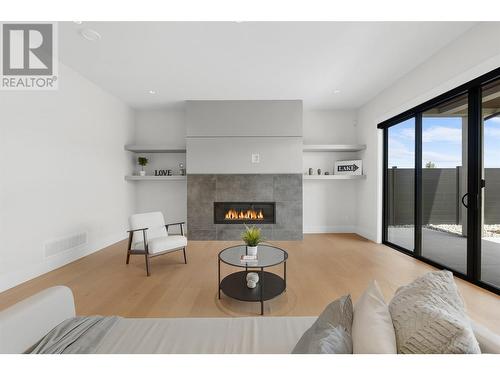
{"x": 244, "y": 212}
{"x": 219, "y": 204}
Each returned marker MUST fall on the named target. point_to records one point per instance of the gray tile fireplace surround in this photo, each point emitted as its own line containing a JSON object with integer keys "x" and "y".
{"x": 205, "y": 189}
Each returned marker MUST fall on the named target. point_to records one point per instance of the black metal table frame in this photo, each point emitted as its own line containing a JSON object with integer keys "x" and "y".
{"x": 261, "y": 277}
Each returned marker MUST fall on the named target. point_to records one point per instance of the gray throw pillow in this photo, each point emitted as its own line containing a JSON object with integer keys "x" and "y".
{"x": 331, "y": 332}
{"x": 429, "y": 317}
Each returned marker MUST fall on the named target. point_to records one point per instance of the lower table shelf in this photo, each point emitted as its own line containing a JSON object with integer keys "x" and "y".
{"x": 235, "y": 286}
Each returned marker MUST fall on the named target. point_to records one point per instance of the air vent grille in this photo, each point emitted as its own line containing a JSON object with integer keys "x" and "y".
{"x": 65, "y": 244}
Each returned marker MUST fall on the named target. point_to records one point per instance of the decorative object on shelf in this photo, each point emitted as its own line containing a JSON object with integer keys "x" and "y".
{"x": 253, "y": 276}
{"x": 163, "y": 172}
{"x": 310, "y": 171}
{"x": 319, "y": 171}
{"x": 349, "y": 167}
{"x": 327, "y": 173}
{"x": 142, "y": 161}
{"x": 182, "y": 171}
{"x": 251, "y": 284}
{"x": 252, "y": 279}
{"x": 252, "y": 237}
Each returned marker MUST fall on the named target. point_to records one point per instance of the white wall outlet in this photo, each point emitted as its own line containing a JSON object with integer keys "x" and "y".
{"x": 255, "y": 158}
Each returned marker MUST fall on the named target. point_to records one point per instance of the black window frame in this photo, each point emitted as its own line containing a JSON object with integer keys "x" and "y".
{"x": 473, "y": 89}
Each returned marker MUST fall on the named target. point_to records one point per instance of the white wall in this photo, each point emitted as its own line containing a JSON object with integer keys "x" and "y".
{"x": 474, "y": 53}
{"x": 329, "y": 206}
{"x": 61, "y": 174}
{"x": 161, "y": 127}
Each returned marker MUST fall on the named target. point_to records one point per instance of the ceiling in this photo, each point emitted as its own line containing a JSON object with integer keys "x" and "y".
{"x": 251, "y": 60}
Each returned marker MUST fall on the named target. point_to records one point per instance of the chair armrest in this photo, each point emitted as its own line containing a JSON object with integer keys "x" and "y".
{"x": 136, "y": 230}
{"x": 181, "y": 224}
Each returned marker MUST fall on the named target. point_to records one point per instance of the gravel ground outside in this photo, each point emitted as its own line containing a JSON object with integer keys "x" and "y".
{"x": 490, "y": 230}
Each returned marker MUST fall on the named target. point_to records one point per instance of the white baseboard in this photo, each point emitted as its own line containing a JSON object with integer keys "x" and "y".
{"x": 14, "y": 278}
{"x": 363, "y": 232}
{"x": 330, "y": 229}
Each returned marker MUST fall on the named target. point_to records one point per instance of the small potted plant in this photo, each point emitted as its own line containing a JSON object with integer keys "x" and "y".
{"x": 252, "y": 237}
{"x": 142, "y": 161}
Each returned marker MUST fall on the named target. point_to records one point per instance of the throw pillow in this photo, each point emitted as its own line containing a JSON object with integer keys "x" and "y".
{"x": 331, "y": 332}
{"x": 372, "y": 329}
{"x": 429, "y": 317}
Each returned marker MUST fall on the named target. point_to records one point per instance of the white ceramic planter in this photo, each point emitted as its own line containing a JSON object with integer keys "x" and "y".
{"x": 252, "y": 250}
{"x": 142, "y": 173}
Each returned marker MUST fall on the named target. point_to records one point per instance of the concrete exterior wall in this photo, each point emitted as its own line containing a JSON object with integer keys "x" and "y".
{"x": 204, "y": 190}
{"x": 441, "y": 196}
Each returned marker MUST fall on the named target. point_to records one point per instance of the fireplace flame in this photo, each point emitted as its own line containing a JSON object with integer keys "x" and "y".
{"x": 250, "y": 214}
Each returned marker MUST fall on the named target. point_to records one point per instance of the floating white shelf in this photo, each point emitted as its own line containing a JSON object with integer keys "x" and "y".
{"x": 155, "y": 178}
{"x": 155, "y": 149}
{"x": 334, "y": 177}
{"x": 333, "y": 148}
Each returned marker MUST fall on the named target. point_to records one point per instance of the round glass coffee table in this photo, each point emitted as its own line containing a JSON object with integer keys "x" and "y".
{"x": 269, "y": 286}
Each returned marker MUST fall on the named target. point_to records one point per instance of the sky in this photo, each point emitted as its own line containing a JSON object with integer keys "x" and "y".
{"x": 441, "y": 143}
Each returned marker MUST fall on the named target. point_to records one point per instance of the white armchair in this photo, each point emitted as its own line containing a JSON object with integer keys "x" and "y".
{"x": 148, "y": 236}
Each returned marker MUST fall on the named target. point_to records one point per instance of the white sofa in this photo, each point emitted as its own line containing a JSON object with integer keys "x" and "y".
{"x": 24, "y": 324}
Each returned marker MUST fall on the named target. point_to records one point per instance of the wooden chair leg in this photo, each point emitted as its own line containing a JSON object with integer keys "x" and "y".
{"x": 129, "y": 246}
{"x": 147, "y": 265}
{"x": 184, "y": 250}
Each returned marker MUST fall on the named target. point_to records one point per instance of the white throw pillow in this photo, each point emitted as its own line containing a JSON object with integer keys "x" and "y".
{"x": 429, "y": 317}
{"x": 372, "y": 329}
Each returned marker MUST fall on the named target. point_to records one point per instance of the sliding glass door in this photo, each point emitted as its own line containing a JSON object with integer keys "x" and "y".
{"x": 442, "y": 181}
{"x": 490, "y": 171}
{"x": 400, "y": 174}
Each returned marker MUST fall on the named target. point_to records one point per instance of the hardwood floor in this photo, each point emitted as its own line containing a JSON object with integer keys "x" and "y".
{"x": 320, "y": 268}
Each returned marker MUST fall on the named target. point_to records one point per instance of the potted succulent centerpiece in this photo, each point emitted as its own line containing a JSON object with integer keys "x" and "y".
{"x": 252, "y": 237}
{"x": 142, "y": 161}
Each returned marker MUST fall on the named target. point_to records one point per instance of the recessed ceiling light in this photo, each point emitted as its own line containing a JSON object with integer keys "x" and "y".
{"x": 152, "y": 92}
{"x": 90, "y": 34}
{"x": 336, "y": 91}
{"x": 78, "y": 22}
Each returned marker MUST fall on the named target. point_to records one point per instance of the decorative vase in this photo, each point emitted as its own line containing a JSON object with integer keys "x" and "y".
{"x": 251, "y": 284}
{"x": 253, "y": 276}
{"x": 252, "y": 250}
{"x": 142, "y": 173}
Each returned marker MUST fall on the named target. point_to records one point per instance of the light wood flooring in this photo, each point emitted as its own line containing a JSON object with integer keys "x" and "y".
{"x": 320, "y": 268}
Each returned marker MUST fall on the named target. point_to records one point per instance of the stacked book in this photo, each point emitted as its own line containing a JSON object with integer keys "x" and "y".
{"x": 249, "y": 259}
